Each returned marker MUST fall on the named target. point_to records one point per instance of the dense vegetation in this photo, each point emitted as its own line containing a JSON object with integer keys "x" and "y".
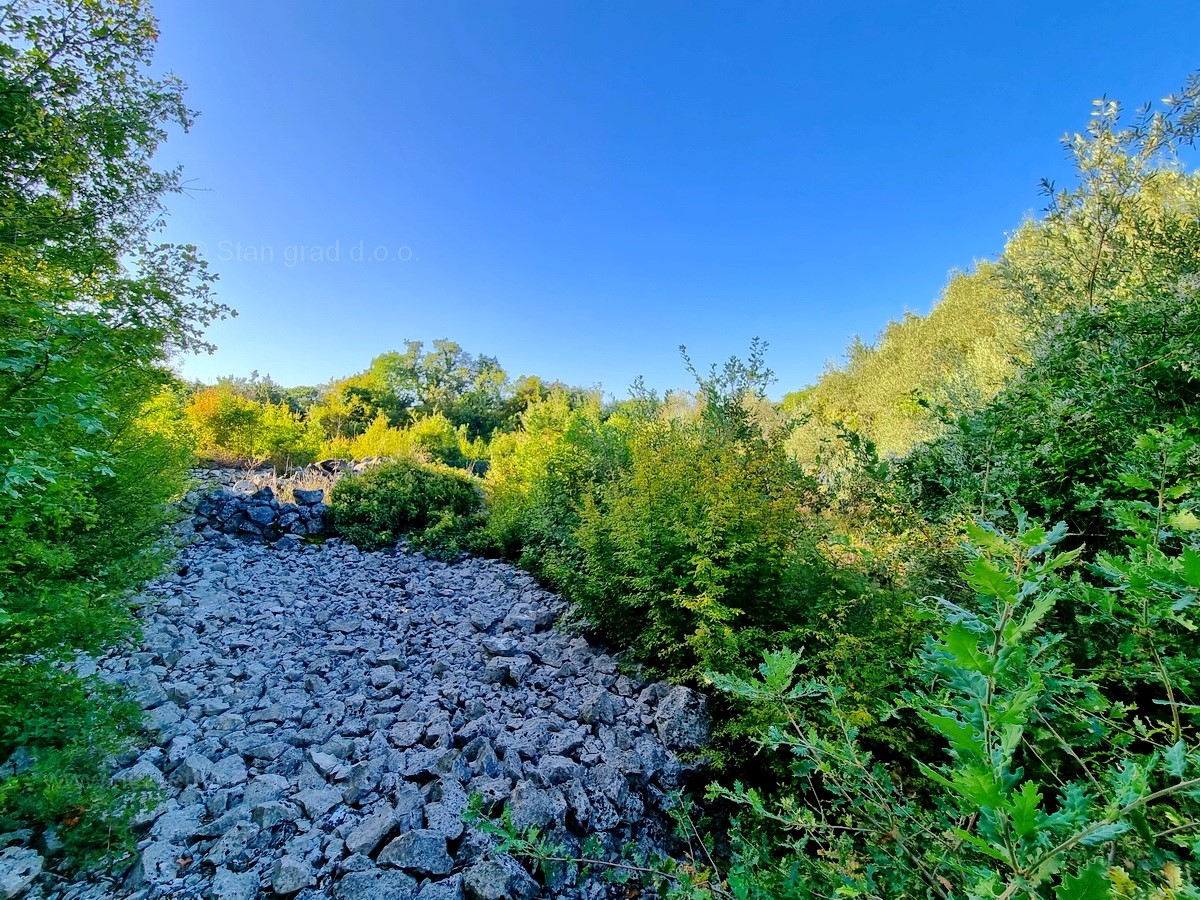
{"x": 945, "y": 594}
{"x": 949, "y": 587}
{"x": 90, "y": 309}
{"x": 443, "y": 403}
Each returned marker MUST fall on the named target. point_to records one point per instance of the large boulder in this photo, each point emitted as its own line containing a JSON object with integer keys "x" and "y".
{"x": 422, "y": 852}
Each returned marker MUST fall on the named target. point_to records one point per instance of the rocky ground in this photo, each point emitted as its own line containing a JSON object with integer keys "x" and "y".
{"x": 320, "y": 717}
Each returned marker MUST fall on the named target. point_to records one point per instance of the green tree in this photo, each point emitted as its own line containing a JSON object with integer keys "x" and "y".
{"x": 90, "y": 310}
{"x": 1109, "y": 284}
{"x": 469, "y": 390}
{"x": 919, "y": 374}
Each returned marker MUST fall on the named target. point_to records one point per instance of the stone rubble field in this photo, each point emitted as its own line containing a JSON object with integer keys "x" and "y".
{"x": 319, "y": 717}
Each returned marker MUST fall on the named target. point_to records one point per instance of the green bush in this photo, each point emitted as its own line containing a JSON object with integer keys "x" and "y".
{"x": 1012, "y": 806}
{"x": 232, "y": 428}
{"x": 695, "y": 548}
{"x": 701, "y": 551}
{"x": 436, "y": 507}
{"x": 1112, "y": 305}
{"x": 540, "y": 475}
{"x": 682, "y": 529}
{"x": 82, "y": 528}
{"x": 61, "y": 728}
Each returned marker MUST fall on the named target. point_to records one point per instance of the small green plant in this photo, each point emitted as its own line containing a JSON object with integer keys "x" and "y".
{"x": 435, "y": 507}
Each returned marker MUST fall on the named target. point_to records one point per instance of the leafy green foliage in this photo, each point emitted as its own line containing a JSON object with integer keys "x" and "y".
{"x": 1139, "y": 617}
{"x": 980, "y": 822}
{"x": 540, "y": 475}
{"x": 64, "y": 725}
{"x": 434, "y": 506}
{"x": 700, "y": 539}
{"x": 702, "y": 551}
{"x": 920, "y": 373}
{"x": 633, "y": 867}
{"x": 229, "y": 427}
{"x": 1107, "y": 286}
{"x": 90, "y": 309}
{"x": 442, "y": 405}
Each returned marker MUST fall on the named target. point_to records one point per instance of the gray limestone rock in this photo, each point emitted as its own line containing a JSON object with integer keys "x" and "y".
{"x": 234, "y": 845}
{"x": 272, "y": 813}
{"x": 229, "y": 885}
{"x": 376, "y": 884}
{"x": 177, "y": 825}
{"x": 422, "y": 852}
{"x": 195, "y": 769}
{"x": 534, "y": 807}
{"x": 158, "y": 863}
{"x": 290, "y": 875}
{"x": 324, "y": 763}
{"x": 449, "y": 889}
{"x": 493, "y": 880}
{"x": 142, "y": 769}
{"x": 229, "y": 771}
{"x": 311, "y": 710}
{"x": 371, "y": 831}
{"x": 318, "y": 801}
{"x": 19, "y": 868}
{"x": 682, "y": 719}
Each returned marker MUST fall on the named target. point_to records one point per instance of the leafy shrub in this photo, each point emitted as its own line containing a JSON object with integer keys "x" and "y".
{"x": 231, "y": 427}
{"x": 539, "y": 476}
{"x": 435, "y": 506}
{"x": 55, "y": 728}
{"x": 1111, "y": 298}
{"x": 432, "y": 438}
{"x": 1013, "y": 810}
{"x": 701, "y": 552}
{"x": 700, "y": 543}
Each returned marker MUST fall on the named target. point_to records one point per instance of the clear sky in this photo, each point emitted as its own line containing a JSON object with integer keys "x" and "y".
{"x": 578, "y": 188}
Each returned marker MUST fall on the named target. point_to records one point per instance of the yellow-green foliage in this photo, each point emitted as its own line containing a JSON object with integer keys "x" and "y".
{"x": 429, "y": 437}
{"x": 900, "y": 390}
{"x": 698, "y": 544}
{"x": 349, "y": 407}
{"x": 1119, "y": 357}
{"x": 378, "y": 440}
{"x": 229, "y": 426}
{"x": 539, "y": 475}
{"x": 682, "y": 529}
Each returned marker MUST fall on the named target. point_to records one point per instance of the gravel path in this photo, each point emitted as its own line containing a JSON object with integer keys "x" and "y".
{"x": 319, "y": 717}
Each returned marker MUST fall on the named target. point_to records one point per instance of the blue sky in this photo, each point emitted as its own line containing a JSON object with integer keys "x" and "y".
{"x": 578, "y": 188}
